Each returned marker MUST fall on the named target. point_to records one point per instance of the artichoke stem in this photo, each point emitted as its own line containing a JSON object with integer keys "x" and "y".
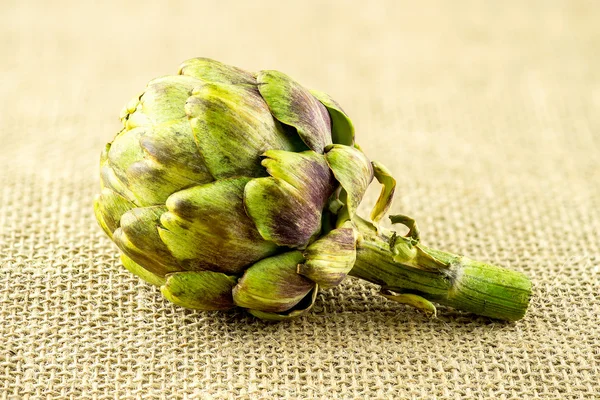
{"x": 404, "y": 266}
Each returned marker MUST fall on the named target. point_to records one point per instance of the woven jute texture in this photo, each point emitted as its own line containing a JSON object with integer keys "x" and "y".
{"x": 488, "y": 114}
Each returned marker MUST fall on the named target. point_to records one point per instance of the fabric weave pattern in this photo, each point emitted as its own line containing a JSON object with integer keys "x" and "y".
{"x": 486, "y": 114}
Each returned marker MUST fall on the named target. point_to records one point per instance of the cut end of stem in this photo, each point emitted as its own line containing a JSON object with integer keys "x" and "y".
{"x": 488, "y": 290}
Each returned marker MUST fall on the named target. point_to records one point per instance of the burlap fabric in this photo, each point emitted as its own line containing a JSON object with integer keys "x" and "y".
{"x": 487, "y": 113}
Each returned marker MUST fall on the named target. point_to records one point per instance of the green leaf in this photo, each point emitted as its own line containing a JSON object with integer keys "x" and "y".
{"x": 156, "y": 154}
{"x": 272, "y": 284}
{"x": 164, "y": 99}
{"x": 213, "y": 71}
{"x": 308, "y": 172}
{"x": 342, "y": 129}
{"x": 154, "y": 162}
{"x": 201, "y": 290}
{"x": 233, "y": 127}
{"x": 293, "y": 105}
{"x": 138, "y": 238}
{"x": 353, "y": 171}
{"x": 206, "y": 227}
{"x": 384, "y": 201}
{"x": 413, "y": 300}
{"x": 141, "y": 272}
{"x": 287, "y": 207}
{"x": 302, "y": 308}
{"x": 410, "y": 223}
{"x": 281, "y": 213}
{"x": 331, "y": 257}
{"x": 172, "y": 145}
{"x": 130, "y": 108}
{"x": 110, "y": 180}
{"x": 108, "y": 208}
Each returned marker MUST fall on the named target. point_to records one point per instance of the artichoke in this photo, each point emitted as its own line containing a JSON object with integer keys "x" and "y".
{"x": 227, "y": 188}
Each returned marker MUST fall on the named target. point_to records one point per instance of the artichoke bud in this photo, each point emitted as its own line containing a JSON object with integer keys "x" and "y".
{"x": 224, "y": 188}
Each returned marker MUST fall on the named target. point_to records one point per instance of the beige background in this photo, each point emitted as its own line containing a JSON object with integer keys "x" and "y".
{"x": 487, "y": 113}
